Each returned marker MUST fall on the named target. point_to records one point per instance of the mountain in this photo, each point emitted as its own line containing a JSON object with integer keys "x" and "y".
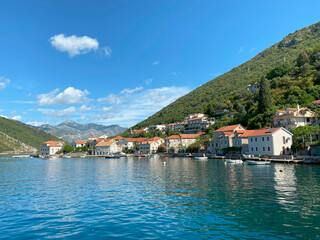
{"x": 238, "y": 78}
{"x": 16, "y": 136}
{"x": 70, "y": 131}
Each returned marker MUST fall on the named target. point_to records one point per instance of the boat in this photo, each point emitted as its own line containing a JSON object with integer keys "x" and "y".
{"x": 234, "y": 161}
{"x": 21, "y": 156}
{"x": 154, "y": 156}
{"x": 83, "y": 156}
{"x": 67, "y": 156}
{"x": 111, "y": 156}
{"x": 201, "y": 158}
{"x": 258, "y": 162}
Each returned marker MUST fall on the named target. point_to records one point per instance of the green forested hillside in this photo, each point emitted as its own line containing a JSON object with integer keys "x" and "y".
{"x": 218, "y": 89}
{"x": 24, "y": 133}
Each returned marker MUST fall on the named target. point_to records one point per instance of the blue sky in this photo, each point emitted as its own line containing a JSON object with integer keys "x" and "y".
{"x": 118, "y": 62}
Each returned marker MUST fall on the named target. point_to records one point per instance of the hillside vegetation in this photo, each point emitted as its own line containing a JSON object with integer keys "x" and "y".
{"x": 23, "y": 133}
{"x": 220, "y": 88}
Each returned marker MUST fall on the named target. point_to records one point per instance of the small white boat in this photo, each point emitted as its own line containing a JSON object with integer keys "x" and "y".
{"x": 67, "y": 156}
{"x": 154, "y": 156}
{"x": 201, "y": 158}
{"x": 259, "y": 162}
{"x": 234, "y": 161}
{"x": 21, "y": 156}
{"x": 83, "y": 156}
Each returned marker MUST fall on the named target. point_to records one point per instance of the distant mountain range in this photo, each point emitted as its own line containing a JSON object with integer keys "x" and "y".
{"x": 72, "y": 131}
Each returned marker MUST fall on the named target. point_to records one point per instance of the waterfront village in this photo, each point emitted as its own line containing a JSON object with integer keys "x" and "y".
{"x": 191, "y": 137}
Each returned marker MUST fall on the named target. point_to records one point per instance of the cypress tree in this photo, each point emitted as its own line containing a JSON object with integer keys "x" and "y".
{"x": 265, "y": 100}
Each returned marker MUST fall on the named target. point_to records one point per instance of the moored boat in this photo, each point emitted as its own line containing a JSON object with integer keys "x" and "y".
{"x": 234, "y": 161}
{"x": 112, "y": 156}
{"x": 201, "y": 158}
{"x": 258, "y": 162}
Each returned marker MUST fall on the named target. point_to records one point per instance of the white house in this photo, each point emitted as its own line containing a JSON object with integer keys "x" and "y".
{"x": 106, "y": 148}
{"x": 180, "y": 126}
{"x": 50, "y": 148}
{"x": 131, "y": 142}
{"x": 148, "y": 147}
{"x": 187, "y": 139}
{"x": 294, "y": 117}
{"x": 191, "y": 116}
{"x": 173, "y": 142}
{"x": 198, "y": 124}
{"x": 253, "y": 87}
{"x": 270, "y": 141}
{"x": 162, "y": 128}
{"x": 80, "y": 143}
{"x": 223, "y": 137}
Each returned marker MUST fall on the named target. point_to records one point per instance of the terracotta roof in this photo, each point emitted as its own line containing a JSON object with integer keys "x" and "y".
{"x": 54, "y": 145}
{"x": 227, "y": 128}
{"x": 188, "y": 136}
{"x": 317, "y": 101}
{"x": 173, "y": 137}
{"x": 53, "y": 142}
{"x": 260, "y": 132}
{"x": 201, "y": 133}
{"x": 155, "y": 139}
{"x": 171, "y": 124}
{"x": 135, "y": 139}
{"x": 193, "y": 119}
{"x": 104, "y": 144}
{"x": 118, "y": 138}
{"x": 80, "y": 142}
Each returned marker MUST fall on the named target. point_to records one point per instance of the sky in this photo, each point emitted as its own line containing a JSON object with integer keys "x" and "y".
{"x": 119, "y": 62}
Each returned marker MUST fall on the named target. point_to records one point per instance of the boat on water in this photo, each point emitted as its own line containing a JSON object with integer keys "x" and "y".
{"x": 83, "y": 156}
{"x": 234, "y": 161}
{"x": 201, "y": 158}
{"x": 154, "y": 156}
{"x": 21, "y": 156}
{"x": 67, "y": 156}
{"x": 111, "y": 156}
{"x": 258, "y": 162}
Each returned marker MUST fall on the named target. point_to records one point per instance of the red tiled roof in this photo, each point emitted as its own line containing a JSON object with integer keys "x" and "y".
{"x": 135, "y": 139}
{"x": 118, "y": 138}
{"x": 155, "y": 139}
{"x": 104, "y": 144}
{"x": 54, "y": 145}
{"x": 173, "y": 137}
{"x": 80, "y": 142}
{"x": 195, "y": 119}
{"x": 188, "y": 136}
{"x": 171, "y": 124}
{"x": 260, "y": 132}
{"x": 317, "y": 101}
{"x": 227, "y": 128}
{"x": 201, "y": 133}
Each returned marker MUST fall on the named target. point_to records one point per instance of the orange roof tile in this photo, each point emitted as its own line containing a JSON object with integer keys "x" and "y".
{"x": 317, "y": 101}
{"x": 173, "y": 137}
{"x": 118, "y": 138}
{"x": 260, "y": 132}
{"x": 104, "y": 144}
{"x": 188, "y": 136}
{"x": 80, "y": 142}
{"x": 135, "y": 139}
{"x": 195, "y": 119}
{"x": 227, "y": 128}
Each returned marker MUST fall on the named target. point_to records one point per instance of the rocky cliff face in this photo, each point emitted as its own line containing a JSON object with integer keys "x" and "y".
{"x": 71, "y": 131}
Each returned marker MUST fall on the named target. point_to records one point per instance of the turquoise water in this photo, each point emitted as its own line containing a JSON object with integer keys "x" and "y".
{"x": 131, "y": 198}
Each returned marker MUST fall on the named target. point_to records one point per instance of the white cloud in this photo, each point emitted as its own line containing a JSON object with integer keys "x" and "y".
{"x": 81, "y": 118}
{"x": 252, "y": 49}
{"x": 148, "y": 81}
{"x": 4, "y": 82}
{"x": 74, "y": 45}
{"x": 128, "y": 90}
{"x": 173, "y": 73}
{"x": 156, "y": 63}
{"x": 17, "y": 118}
{"x": 69, "y": 96}
{"x": 106, "y": 109}
{"x": 140, "y": 105}
{"x": 1, "y": 111}
{"x": 84, "y": 108}
{"x": 111, "y": 99}
{"x": 107, "y": 51}
{"x": 60, "y": 113}
{"x": 36, "y": 124}
{"x": 241, "y": 50}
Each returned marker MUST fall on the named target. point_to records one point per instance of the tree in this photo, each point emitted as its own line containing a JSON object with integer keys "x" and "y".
{"x": 67, "y": 148}
{"x": 265, "y": 101}
{"x": 303, "y": 59}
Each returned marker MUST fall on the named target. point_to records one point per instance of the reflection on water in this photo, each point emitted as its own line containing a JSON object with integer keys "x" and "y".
{"x": 157, "y": 198}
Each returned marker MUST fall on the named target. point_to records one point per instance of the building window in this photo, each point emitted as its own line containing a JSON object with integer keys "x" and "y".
{"x": 251, "y": 139}
{"x": 256, "y": 148}
{"x": 264, "y": 148}
{"x": 267, "y": 138}
{"x": 262, "y": 139}
{"x": 256, "y": 139}
{"x": 268, "y": 148}
{"x": 284, "y": 140}
{"x": 252, "y": 149}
